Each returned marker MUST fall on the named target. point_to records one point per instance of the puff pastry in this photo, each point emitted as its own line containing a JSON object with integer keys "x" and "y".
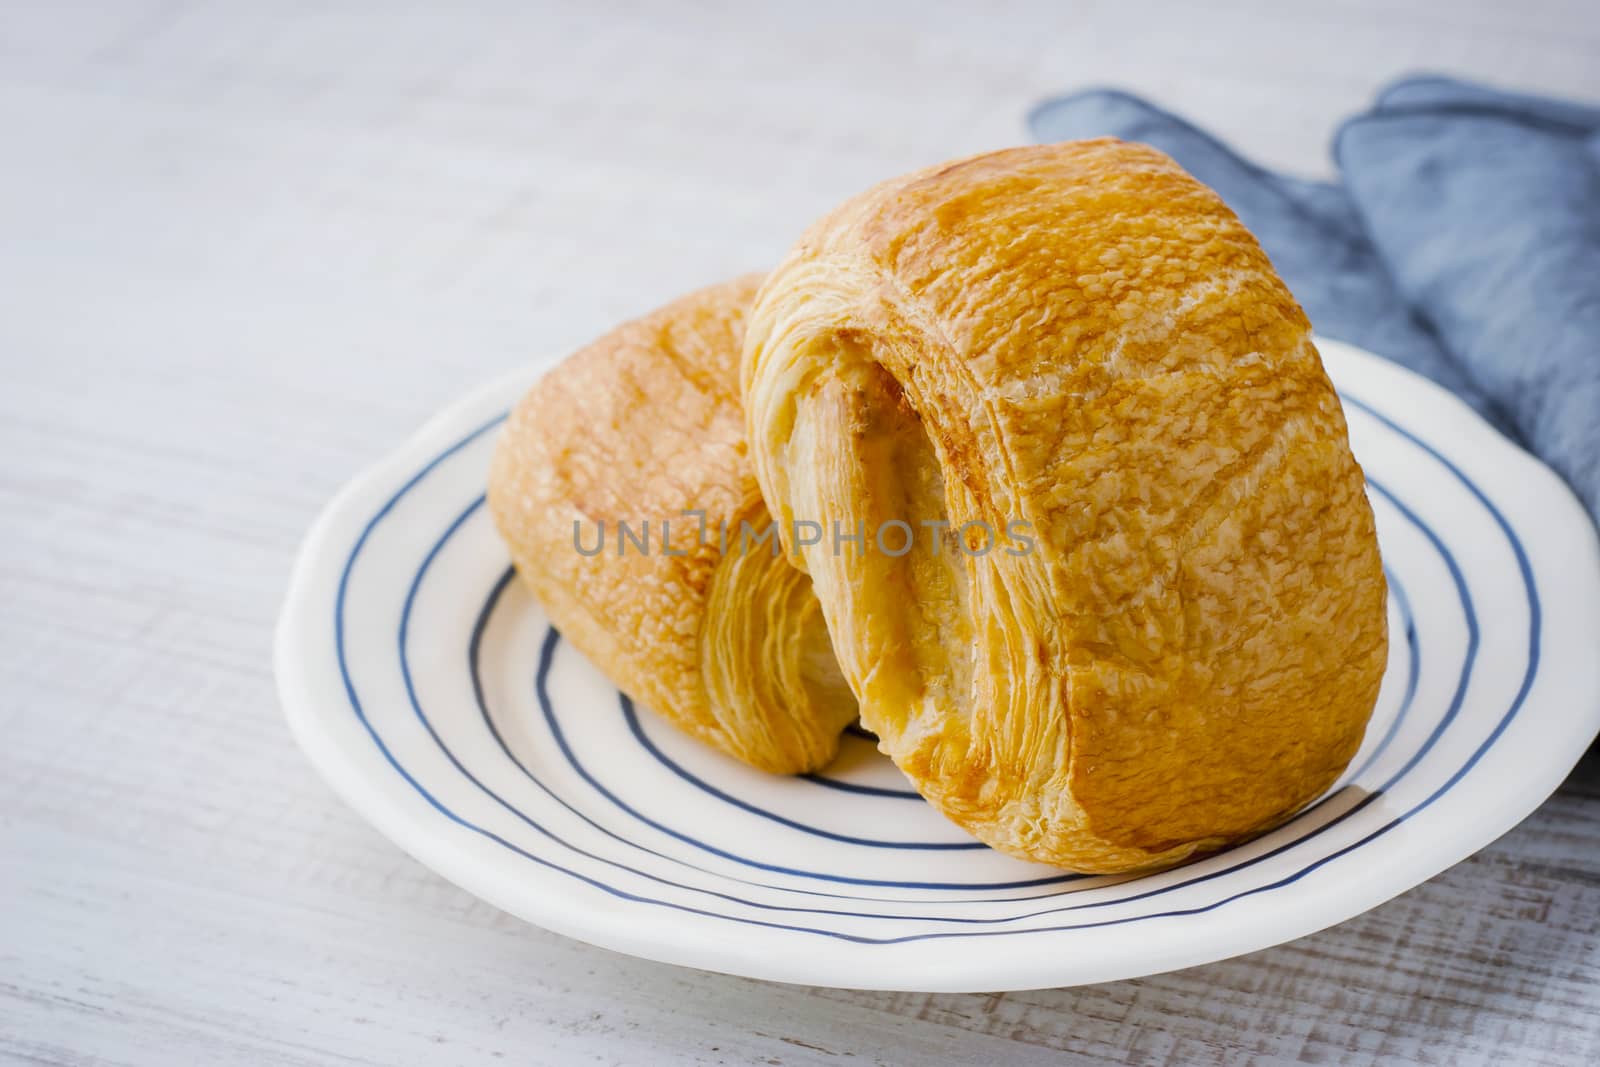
{"x": 1083, "y": 338}
{"x": 726, "y": 639}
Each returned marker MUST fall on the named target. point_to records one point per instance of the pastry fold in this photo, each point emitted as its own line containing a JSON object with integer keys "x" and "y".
{"x": 716, "y": 631}
{"x": 1078, "y": 355}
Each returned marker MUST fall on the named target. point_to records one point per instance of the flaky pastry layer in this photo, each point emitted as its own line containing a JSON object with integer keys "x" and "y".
{"x": 726, "y": 640}
{"x": 1083, "y": 339}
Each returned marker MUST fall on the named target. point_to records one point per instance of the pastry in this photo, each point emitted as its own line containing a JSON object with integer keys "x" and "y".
{"x": 622, "y": 486}
{"x": 1077, "y": 356}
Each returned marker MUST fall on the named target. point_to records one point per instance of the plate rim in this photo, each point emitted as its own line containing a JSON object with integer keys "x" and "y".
{"x": 309, "y": 707}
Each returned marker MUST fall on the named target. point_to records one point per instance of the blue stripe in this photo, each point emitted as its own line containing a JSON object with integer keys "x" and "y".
{"x": 855, "y": 787}
{"x": 1413, "y": 672}
{"x": 861, "y": 733}
{"x": 1534, "y": 649}
{"x": 632, "y": 718}
{"x": 842, "y": 786}
{"x": 546, "y": 655}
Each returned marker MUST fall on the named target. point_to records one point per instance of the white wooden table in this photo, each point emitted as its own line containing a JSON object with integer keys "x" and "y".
{"x": 244, "y": 250}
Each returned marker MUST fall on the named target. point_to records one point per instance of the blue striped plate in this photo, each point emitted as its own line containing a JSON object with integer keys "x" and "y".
{"x": 430, "y": 691}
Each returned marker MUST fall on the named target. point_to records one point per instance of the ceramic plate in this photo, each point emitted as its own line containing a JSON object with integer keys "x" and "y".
{"x": 431, "y": 692}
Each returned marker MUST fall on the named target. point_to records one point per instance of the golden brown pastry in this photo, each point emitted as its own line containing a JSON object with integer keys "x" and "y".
{"x": 640, "y": 427}
{"x": 1084, "y": 339}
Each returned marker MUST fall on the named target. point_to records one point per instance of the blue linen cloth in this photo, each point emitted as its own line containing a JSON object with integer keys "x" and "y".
{"x": 1463, "y": 241}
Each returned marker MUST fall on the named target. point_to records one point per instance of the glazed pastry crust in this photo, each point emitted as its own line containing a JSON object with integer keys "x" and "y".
{"x": 639, "y": 427}
{"x": 1083, "y": 338}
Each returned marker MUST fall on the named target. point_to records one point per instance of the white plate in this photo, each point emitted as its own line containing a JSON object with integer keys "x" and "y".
{"x": 429, "y": 690}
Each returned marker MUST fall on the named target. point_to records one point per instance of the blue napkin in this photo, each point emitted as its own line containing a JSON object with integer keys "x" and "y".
{"x": 1463, "y": 242}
